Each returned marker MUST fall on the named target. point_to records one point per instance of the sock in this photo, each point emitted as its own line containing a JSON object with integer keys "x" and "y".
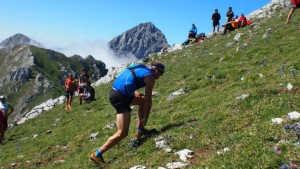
{"x": 98, "y": 153}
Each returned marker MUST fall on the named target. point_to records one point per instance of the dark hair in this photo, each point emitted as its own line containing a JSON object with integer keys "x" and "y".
{"x": 160, "y": 67}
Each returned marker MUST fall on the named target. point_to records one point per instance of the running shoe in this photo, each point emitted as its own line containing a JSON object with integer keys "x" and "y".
{"x": 97, "y": 160}
{"x": 142, "y": 132}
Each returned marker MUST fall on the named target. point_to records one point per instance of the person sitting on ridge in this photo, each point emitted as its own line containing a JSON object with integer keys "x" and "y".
{"x": 193, "y": 31}
{"x": 192, "y": 35}
{"x": 89, "y": 95}
{"x": 294, "y": 5}
{"x": 242, "y": 21}
{"x": 123, "y": 94}
{"x": 235, "y": 24}
{"x": 230, "y": 26}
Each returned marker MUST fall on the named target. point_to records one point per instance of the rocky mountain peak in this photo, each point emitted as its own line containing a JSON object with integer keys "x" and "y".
{"x": 19, "y": 39}
{"x": 139, "y": 41}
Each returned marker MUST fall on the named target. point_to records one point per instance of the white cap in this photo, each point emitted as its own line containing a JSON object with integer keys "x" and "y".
{"x": 2, "y": 97}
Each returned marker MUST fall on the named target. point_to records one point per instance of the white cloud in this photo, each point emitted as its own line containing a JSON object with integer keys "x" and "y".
{"x": 98, "y": 49}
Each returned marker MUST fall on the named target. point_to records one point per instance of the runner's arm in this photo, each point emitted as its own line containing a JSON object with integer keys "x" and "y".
{"x": 150, "y": 81}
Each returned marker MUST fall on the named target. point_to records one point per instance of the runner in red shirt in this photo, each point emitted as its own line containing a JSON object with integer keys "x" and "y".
{"x": 294, "y": 5}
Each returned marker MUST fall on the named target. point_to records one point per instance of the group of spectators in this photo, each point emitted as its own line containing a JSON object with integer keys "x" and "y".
{"x": 234, "y": 22}
{"x": 85, "y": 90}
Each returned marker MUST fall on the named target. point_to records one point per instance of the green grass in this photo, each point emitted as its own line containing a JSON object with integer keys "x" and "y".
{"x": 209, "y": 111}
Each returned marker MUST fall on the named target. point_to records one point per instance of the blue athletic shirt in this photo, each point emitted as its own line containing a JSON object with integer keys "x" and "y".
{"x": 125, "y": 82}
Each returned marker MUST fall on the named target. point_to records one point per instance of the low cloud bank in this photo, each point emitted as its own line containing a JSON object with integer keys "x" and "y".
{"x": 98, "y": 49}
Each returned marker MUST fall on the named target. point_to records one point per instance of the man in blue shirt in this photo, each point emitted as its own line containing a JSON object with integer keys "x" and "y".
{"x": 123, "y": 94}
{"x": 193, "y": 31}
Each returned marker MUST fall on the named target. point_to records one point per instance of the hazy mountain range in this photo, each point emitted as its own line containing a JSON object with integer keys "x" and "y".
{"x": 32, "y": 74}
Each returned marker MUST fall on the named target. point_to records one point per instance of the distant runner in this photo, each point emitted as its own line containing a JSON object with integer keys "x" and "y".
{"x": 294, "y": 5}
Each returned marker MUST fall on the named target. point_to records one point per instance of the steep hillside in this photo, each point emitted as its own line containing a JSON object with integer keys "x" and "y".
{"x": 233, "y": 90}
{"x": 32, "y": 75}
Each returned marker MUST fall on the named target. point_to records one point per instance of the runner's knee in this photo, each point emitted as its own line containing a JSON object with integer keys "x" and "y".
{"x": 122, "y": 134}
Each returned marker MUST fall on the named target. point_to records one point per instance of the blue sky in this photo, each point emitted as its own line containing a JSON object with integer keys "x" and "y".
{"x": 77, "y": 23}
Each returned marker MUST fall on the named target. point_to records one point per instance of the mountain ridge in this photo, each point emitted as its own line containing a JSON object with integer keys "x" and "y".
{"x": 139, "y": 41}
{"x": 19, "y": 39}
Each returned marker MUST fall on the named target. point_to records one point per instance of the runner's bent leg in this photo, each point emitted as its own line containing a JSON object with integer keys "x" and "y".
{"x": 290, "y": 15}
{"x": 123, "y": 122}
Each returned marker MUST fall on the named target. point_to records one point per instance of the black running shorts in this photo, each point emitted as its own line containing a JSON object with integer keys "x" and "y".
{"x": 69, "y": 94}
{"x": 120, "y": 101}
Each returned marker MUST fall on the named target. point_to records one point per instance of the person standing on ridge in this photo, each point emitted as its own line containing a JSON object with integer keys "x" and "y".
{"x": 83, "y": 79}
{"x": 70, "y": 89}
{"x": 123, "y": 94}
{"x": 229, "y": 15}
{"x": 216, "y": 20}
{"x": 6, "y": 110}
{"x": 294, "y": 5}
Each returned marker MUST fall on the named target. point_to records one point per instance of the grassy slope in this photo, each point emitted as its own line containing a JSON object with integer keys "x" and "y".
{"x": 209, "y": 111}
